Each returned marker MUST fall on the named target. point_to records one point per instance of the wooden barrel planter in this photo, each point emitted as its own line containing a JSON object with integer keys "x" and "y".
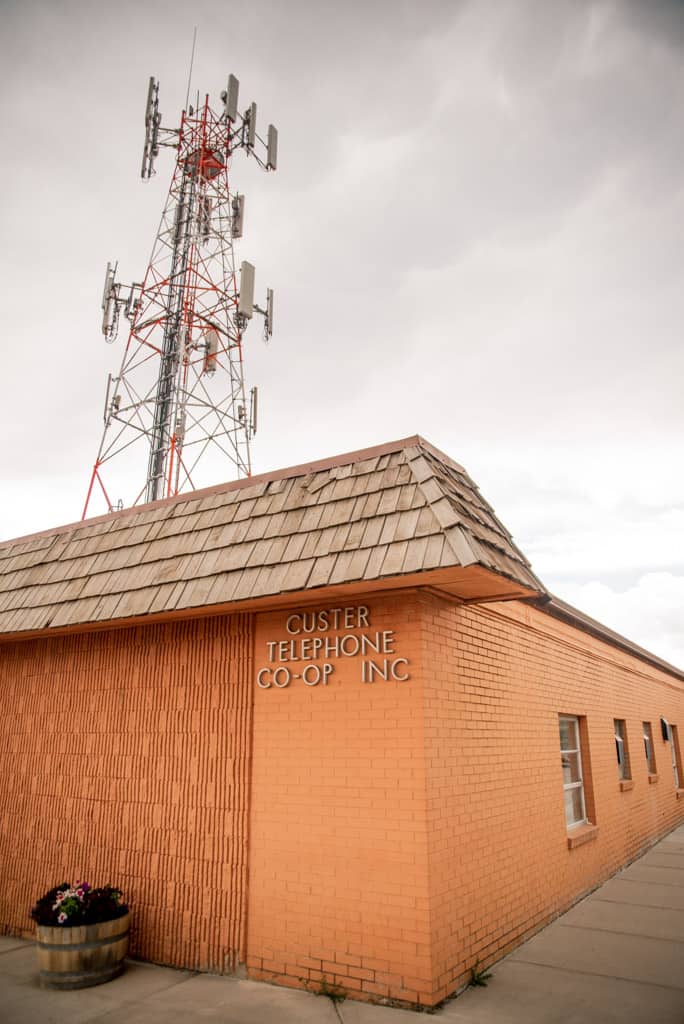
{"x": 79, "y": 956}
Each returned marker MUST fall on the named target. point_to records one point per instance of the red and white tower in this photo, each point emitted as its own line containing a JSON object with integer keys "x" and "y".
{"x": 179, "y": 397}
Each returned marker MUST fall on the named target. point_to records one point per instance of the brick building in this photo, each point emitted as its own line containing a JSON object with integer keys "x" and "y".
{"x": 322, "y": 723}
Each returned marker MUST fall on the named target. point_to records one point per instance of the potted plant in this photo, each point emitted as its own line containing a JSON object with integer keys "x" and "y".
{"x": 82, "y": 935}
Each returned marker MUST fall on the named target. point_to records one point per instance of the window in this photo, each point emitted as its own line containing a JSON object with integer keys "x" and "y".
{"x": 621, "y": 749}
{"x": 571, "y": 760}
{"x": 648, "y": 747}
{"x": 676, "y": 757}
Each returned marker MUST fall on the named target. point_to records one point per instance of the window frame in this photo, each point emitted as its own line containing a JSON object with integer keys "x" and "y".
{"x": 676, "y": 756}
{"x": 649, "y": 748}
{"x": 574, "y": 719}
{"x": 622, "y": 749}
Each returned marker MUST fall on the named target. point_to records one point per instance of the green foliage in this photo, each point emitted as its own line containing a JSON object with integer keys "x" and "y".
{"x": 479, "y": 978}
{"x": 334, "y": 992}
{"x": 67, "y": 905}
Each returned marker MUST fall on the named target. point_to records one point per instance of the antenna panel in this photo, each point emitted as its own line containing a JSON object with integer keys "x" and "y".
{"x": 269, "y": 312}
{"x": 109, "y": 306}
{"x": 231, "y": 100}
{"x": 204, "y": 218}
{"x": 237, "y": 220}
{"x": 251, "y": 125}
{"x": 211, "y": 344}
{"x": 149, "y": 108}
{"x": 253, "y": 395}
{"x": 246, "y": 298}
{"x": 106, "y": 404}
{"x": 152, "y": 122}
{"x": 108, "y": 285}
{"x": 272, "y": 149}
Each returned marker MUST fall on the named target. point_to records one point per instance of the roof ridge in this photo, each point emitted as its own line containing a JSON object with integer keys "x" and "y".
{"x": 288, "y": 472}
{"x": 467, "y": 547}
{"x": 451, "y": 525}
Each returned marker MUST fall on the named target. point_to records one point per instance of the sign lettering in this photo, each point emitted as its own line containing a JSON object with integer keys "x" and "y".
{"x": 322, "y": 639}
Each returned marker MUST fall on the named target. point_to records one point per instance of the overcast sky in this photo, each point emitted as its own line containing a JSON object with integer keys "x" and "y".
{"x": 475, "y": 233}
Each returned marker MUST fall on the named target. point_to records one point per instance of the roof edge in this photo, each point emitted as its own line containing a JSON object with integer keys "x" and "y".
{"x": 435, "y": 581}
{"x": 316, "y": 466}
{"x": 560, "y": 609}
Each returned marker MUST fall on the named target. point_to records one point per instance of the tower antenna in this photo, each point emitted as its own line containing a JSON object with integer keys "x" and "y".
{"x": 192, "y": 58}
{"x": 177, "y": 414}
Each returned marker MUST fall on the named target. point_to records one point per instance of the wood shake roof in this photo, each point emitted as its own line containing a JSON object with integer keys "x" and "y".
{"x": 400, "y": 514}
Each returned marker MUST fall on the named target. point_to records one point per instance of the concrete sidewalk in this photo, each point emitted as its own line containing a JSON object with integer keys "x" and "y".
{"x": 615, "y": 958}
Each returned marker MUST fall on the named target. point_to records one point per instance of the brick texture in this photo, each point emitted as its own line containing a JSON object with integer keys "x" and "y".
{"x": 404, "y": 831}
{"x": 499, "y": 859}
{"x": 382, "y": 836}
{"x": 339, "y": 884}
{"x": 124, "y": 758}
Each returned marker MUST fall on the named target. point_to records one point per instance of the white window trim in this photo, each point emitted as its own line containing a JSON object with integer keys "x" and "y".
{"x": 580, "y": 784}
{"x": 673, "y": 749}
{"x": 648, "y": 747}
{"x": 620, "y": 729}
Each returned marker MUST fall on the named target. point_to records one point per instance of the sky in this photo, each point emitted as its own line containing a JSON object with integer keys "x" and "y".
{"x": 475, "y": 233}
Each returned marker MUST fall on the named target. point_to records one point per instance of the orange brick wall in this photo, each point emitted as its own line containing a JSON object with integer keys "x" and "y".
{"x": 339, "y": 882}
{"x": 382, "y": 836}
{"x": 403, "y": 831}
{"x": 124, "y": 758}
{"x": 499, "y": 859}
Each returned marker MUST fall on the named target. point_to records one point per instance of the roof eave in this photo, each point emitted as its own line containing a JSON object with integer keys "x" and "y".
{"x": 559, "y": 609}
{"x": 472, "y": 584}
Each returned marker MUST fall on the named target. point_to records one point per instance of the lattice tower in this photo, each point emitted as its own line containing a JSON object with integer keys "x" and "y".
{"x": 180, "y": 393}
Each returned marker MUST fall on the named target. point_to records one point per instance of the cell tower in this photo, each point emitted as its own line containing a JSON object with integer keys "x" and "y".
{"x": 180, "y": 393}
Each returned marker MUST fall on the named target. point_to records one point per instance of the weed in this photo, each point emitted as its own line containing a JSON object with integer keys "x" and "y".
{"x": 479, "y": 978}
{"x": 334, "y": 992}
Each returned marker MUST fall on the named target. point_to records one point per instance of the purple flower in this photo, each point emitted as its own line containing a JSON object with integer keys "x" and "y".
{"x": 79, "y": 904}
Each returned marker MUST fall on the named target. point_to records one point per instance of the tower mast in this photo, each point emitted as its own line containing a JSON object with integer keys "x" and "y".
{"x": 180, "y": 392}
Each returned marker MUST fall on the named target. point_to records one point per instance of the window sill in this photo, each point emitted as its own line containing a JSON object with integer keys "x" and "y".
{"x": 583, "y": 834}
{"x": 653, "y": 777}
{"x": 626, "y": 785}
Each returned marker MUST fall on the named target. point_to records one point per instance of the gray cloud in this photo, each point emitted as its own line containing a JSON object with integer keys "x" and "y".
{"x": 475, "y": 232}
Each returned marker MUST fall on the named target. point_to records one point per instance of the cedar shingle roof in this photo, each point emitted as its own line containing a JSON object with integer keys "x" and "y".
{"x": 401, "y": 514}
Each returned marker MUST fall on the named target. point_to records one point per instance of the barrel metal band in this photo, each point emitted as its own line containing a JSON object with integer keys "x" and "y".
{"x": 83, "y": 945}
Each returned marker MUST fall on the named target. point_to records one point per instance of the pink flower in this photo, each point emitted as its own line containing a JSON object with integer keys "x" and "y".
{"x": 61, "y": 918}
